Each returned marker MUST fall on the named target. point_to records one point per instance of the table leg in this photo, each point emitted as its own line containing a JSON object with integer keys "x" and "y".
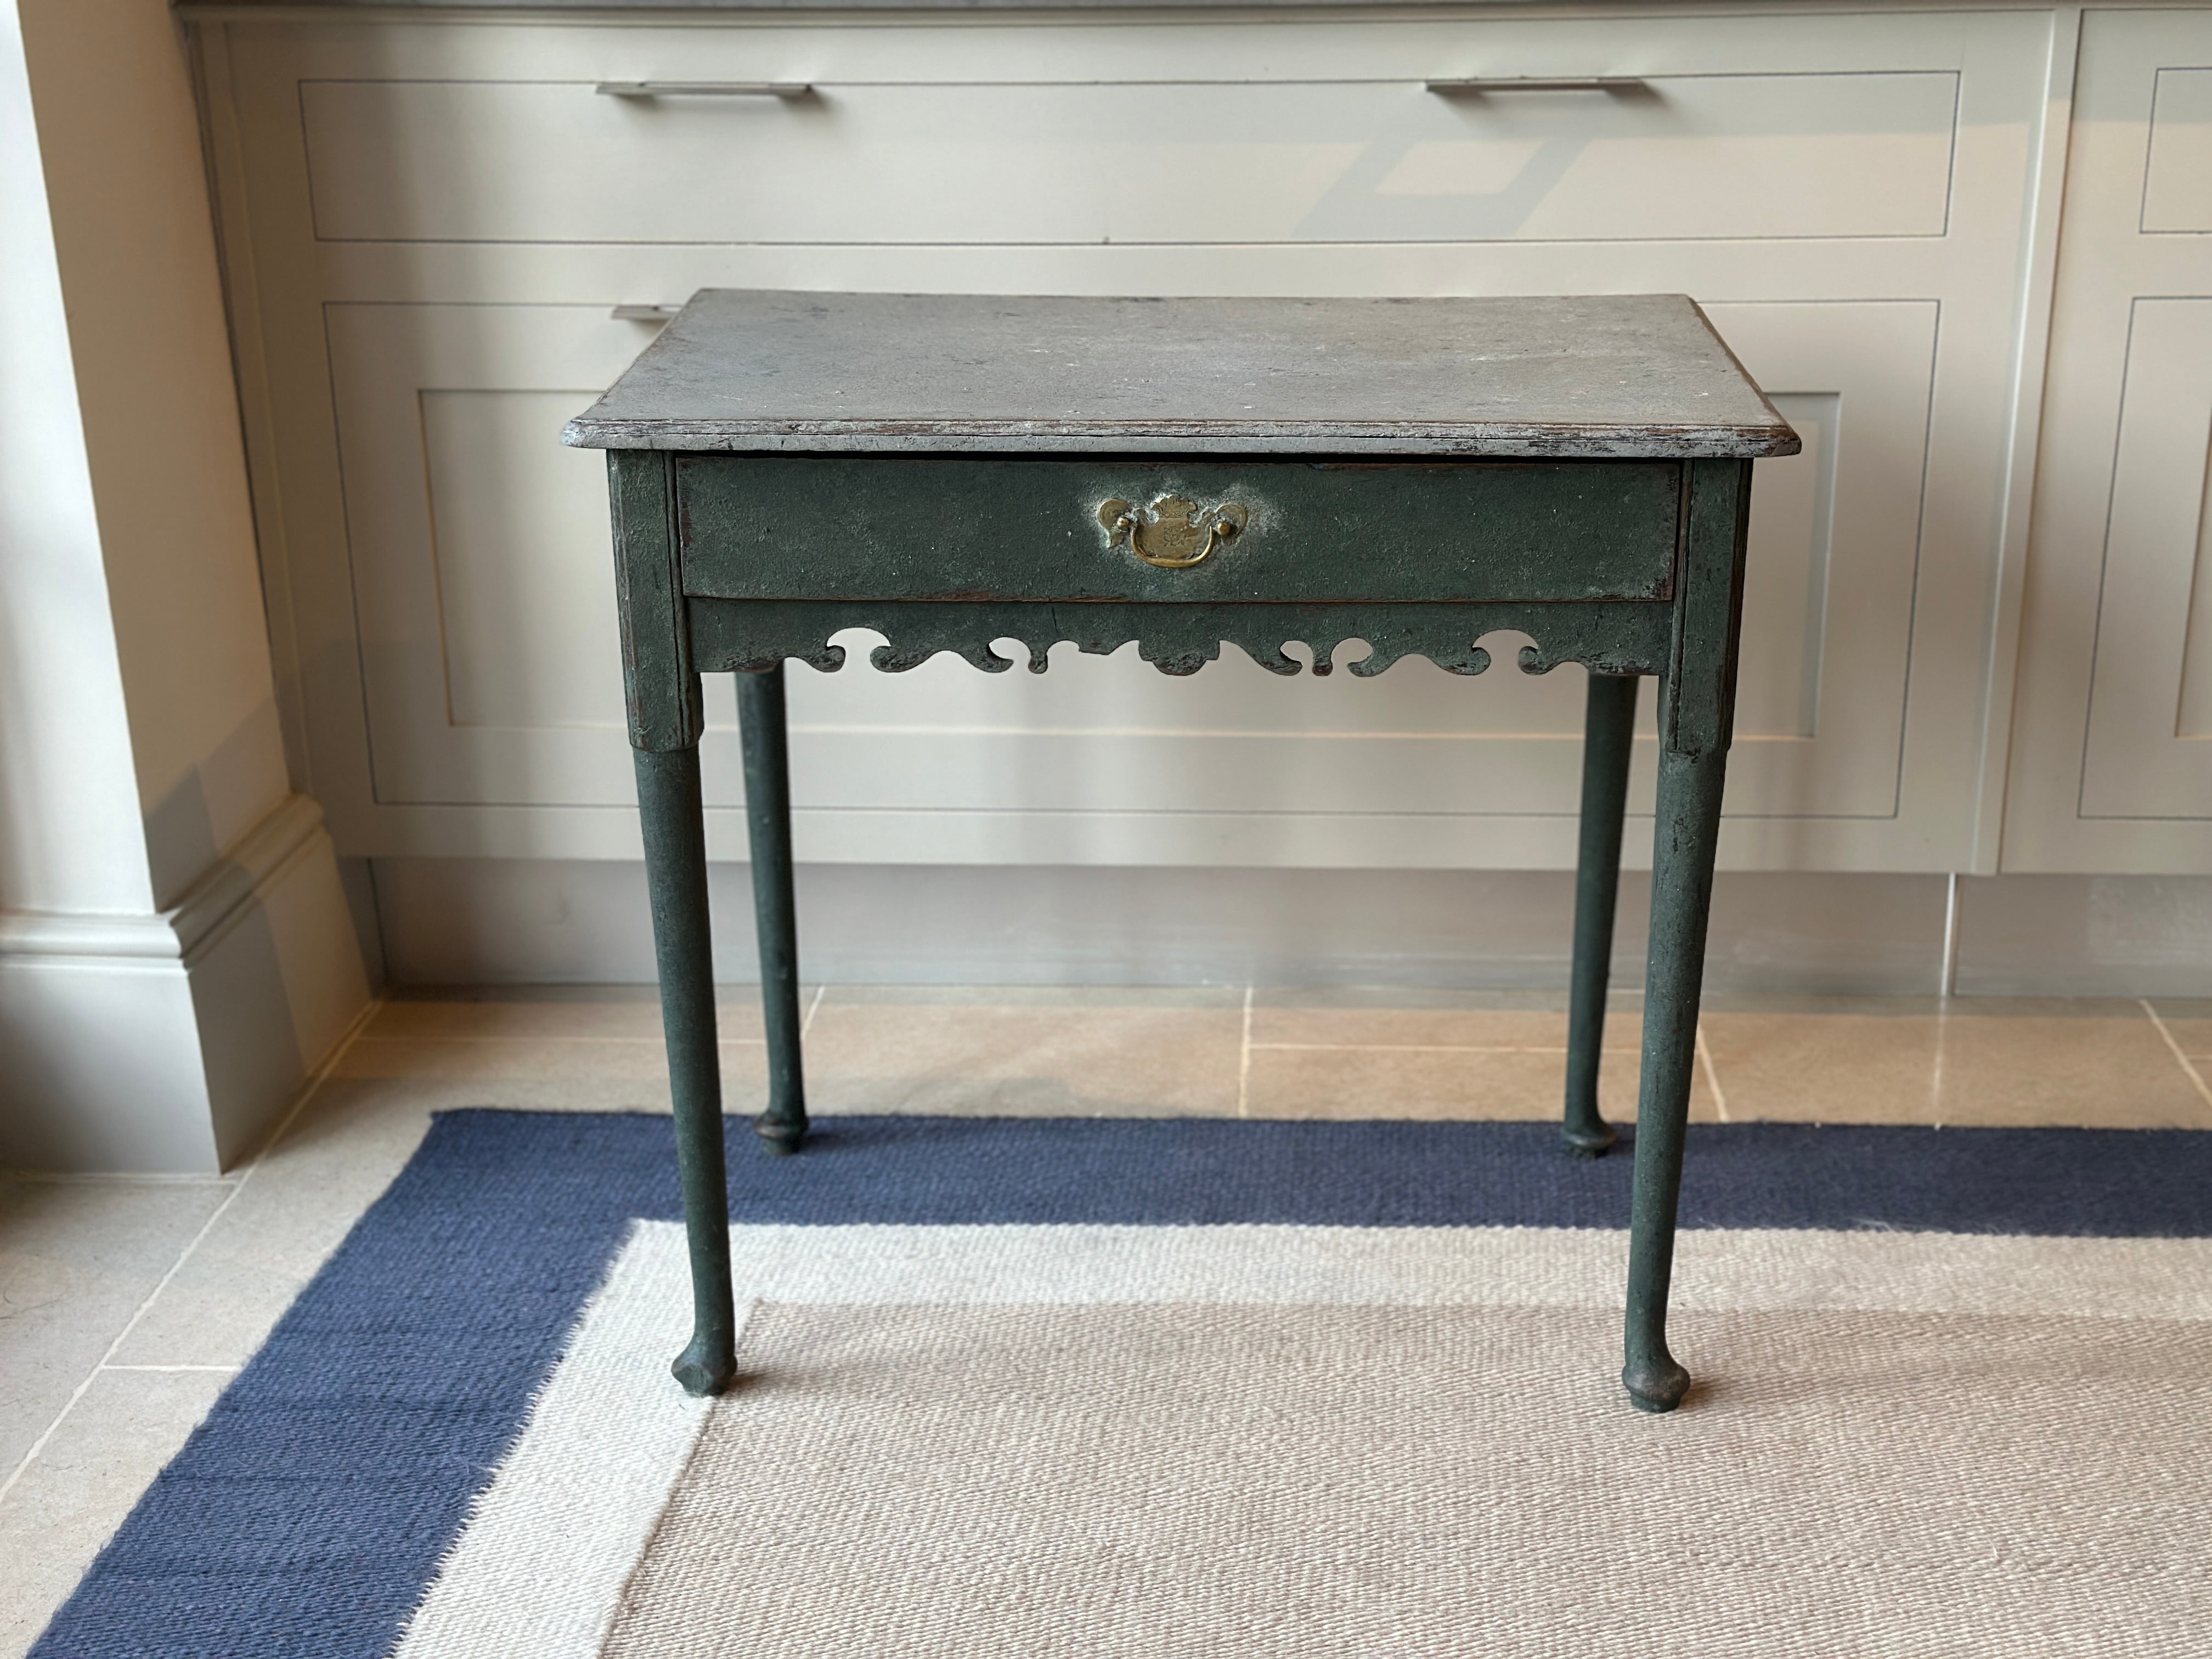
{"x": 676, "y": 880}
{"x": 767, "y": 818}
{"x": 1609, "y": 738}
{"x": 1689, "y": 812}
{"x": 1697, "y": 715}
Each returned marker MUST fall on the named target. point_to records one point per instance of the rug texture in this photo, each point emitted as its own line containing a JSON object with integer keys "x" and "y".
{"x": 1061, "y": 1388}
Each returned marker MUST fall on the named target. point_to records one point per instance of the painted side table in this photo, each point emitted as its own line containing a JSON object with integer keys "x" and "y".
{"x": 953, "y": 470}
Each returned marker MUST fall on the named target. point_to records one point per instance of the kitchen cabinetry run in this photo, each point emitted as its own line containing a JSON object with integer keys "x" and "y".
{"x": 432, "y": 222}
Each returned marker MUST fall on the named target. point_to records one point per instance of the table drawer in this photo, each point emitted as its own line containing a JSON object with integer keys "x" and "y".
{"x": 1670, "y": 156}
{"x": 835, "y": 527}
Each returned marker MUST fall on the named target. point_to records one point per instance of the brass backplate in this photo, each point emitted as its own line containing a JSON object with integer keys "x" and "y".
{"x": 1173, "y": 532}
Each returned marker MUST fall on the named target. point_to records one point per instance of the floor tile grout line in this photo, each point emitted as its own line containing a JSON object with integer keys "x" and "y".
{"x": 227, "y": 1370}
{"x": 1433, "y": 1047}
{"x": 536, "y": 1039}
{"x": 2186, "y": 1064}
{"x": 113, "y": 1178}
{"x": 812, "y": 1008}
{"x": 1713, "y": 1074}
{"x": 129, "y": 1325}
{"x": 269, "y": 1143}
{"x": 1244, "y": 1061}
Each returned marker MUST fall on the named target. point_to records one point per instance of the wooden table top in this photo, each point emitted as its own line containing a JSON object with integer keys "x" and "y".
{"x": 1587, "y": 377}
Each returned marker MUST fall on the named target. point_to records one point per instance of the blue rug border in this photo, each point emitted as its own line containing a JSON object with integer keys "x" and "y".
{"x": 403, "y": 1372}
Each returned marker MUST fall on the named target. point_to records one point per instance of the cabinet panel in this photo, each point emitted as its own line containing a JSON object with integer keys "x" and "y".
{"x": 1830, "y": 604}
{"x": 2112, "y": 755}
{"x": 483, "y": 576}
{"x": 2150, "y": 695}
{"x": 1680, "y": 156}
{"x": 2177, "y": 179}
{"x": 524, "y": 634}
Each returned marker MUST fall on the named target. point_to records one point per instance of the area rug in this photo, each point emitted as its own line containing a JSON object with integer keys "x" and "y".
{"x": 1104, "y": 1388}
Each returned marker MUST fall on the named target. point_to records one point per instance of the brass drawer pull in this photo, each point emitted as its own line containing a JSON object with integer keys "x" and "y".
{"x": 1180, "y": 535}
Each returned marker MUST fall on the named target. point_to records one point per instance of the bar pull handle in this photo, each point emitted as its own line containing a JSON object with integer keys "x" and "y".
{"x": 648, "y": 89}
{"x": 643, "y": 313}
{"x": 1489, "y": 83}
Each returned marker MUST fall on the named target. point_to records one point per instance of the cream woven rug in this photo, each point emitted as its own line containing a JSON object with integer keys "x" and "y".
{"x": 965, "y": 1443}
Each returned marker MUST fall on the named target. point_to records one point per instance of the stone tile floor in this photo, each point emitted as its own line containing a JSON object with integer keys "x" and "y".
{"x": 126, "y": 1304}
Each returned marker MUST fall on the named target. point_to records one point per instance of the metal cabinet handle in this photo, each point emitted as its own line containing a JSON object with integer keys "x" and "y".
{"x": 1180, "y": 535}
{"x": 704, "y": 88}
{"x": 643, "y": 313}
{"x": 1482, "y": 83}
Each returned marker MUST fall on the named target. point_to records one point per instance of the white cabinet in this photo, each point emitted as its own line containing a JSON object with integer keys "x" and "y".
{"x": 2112, "y": 755}
{"x": 428, "y": 223}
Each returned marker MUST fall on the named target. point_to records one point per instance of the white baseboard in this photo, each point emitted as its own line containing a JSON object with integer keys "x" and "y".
{"x": 461, "y": 921}
{"x": 171, "y": 1041}
{"x": 455, "y": 922}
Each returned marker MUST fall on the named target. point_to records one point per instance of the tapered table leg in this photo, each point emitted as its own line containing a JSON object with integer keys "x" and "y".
{"x": 1609, "y": 738}
{"x": 1689, "y": 810}
{"x": 782, "y": 1125}
{"x": 1697, "y": 714}
{"x": 675, "y": 879}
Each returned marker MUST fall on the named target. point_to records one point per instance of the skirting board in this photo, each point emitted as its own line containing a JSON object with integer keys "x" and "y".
{"x": 458, "y": 922}
{"x": 169, "y": 1042}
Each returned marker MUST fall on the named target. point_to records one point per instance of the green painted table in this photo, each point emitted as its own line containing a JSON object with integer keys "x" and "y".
{"x": 953, "y": 470}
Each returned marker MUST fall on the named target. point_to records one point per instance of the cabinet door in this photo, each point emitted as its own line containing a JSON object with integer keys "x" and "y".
{"x": 2112, "y": 762}
{"x": 482, "y": 574}
{"x": 2150, "y": 690}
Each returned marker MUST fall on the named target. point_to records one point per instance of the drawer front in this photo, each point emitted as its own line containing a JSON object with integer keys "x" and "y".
{"x": 1677, "y": 156}
{"x": 823, "y": 527}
